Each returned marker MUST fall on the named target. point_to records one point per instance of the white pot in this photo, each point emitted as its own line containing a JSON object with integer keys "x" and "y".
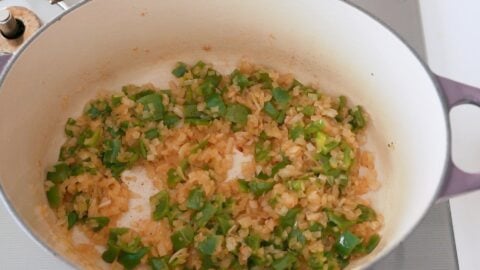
{"x": 106, "y": 44}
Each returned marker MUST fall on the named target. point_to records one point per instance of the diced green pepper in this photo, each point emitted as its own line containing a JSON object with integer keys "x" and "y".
{"x": 280, "y": 165}
{"x": 237, "y": 113}
{"x": 372, "y": 243}
{"x": 262, "y": 152}
{"x": 358, "y": 122}
{"x": 153, "y": 108}
{"x": 253, "y": 241}
{"x": 224, "y": 223}
{"x": 179, "y": 70}
{"x": 346, "y": 243}
{"x": 243, "y": 185}
{"x": 258, "y": 188}
{"x": 296, "y": 132}
{"x": 296, "y": 239}
{"x": 367, "y": 214}
{"x": 209, "y": 245}
{"x": 290, "y": 218}
{"x": 72, "y": 219}
{"x": 171, "y": 120}
{"x": 152, "y": 133}
{"x": 112, "y": 149}
{"x": 284, "y": 263}
{"x": 313, "y": 127}
{"x": 196, "y": 199}
{"x": 132, "y": 260}
{"x": 339, "y": 220}
{"x": 281, "y": 96}
{"x": 172, "y": 178}
{"x": 239, "y": 79}
{"x": 308, "y": 110}
{"x": 111, "y": 254}
{"x": 161, "y": 204}
{"x": 61, "y": 172}
{"x": 158, "y": 263}
{"x": 182, "y": 238}
{"x": 53, "y": 196}
{"x": 97, "y": 223}
{"x": 296, "y": 185}
{"x": 203, "y": 216}
{"x": 215, "y": 103}
{"x": 270, "y": 110}
{"x": 68, "y": 127}
{"x": 320, "y": 140}
{"x": 316, "y": 261}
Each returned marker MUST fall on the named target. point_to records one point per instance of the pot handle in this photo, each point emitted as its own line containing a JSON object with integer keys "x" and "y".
{"x": 4, "y": 59}
{"x": 458, "y": 181}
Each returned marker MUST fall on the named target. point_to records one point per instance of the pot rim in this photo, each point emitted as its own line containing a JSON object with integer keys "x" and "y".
{"x": 433, "y": 79}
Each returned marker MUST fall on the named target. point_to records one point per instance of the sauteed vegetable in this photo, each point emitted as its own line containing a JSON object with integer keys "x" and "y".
{"x": 252, "y": 169}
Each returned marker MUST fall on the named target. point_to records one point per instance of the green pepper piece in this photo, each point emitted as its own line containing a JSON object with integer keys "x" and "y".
{"x": 280, "y": 165}
{"x": 296, "y": 132}
{"x": 179, "y": 70}
{"x": 153, "y": 108}
{"x": 131, "y": 260}
{"x": 346, "y": 243}
{"x": 258, "y": 188}
{"x": 281, "y": 96}
{"x": 224, "y": 223}
{"x": 296, "y": 185}
{"x": 111, "y": 254}
{"x": 284, "y": 263}
{"x": 367, "y": 213}
{"x": 240, "y": 79}
{"x": 112, "y": 149}
{"x": 308, "y": 110}
{"x": 290, "y": 218}
{"x": 196, "y": 199}
{"x": 237, "y": 113}
{"x": 316, "y": 261}
{"x": 372, "y": 243}
{"x": 97, "y": 223}
{"x": 172, "y": 178}
{"x": 161, "y": 204}
{"x": 253, "y": 241}
{"x": 53, "y": 196}
{"x": 72, "y": 219}
{"x": 203, "y": 216}
{"x": 215, "y": 103}
{"x": 243, "y": 185}
{"x": 158, "y": 263}
{"x": 358, "y": 122}
{"x": 182, "y": 238}
{"x": 152, "y": 133}
{"x": 339, "y": 220}
{"x": 314, "y": 127}
{"x": 209, "y": 245}
{"x": 70, "y": 122}
{"x": 296, "y": 239}
{"x": 171, "y": 120}
{"x": 270, "y": 110}
{"x": 61, "y": 172}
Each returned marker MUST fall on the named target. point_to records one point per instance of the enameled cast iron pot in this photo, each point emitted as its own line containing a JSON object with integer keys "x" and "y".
{"x": 105, "y": 44}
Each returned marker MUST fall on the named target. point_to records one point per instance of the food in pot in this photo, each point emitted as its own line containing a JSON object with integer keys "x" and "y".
{"x": 247, "y": 170}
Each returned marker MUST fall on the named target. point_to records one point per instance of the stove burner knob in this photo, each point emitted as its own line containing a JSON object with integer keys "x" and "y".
{"x": 10, "y": 27}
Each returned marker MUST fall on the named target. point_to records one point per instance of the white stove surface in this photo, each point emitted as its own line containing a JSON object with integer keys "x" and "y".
{"x": 18, "y": 251}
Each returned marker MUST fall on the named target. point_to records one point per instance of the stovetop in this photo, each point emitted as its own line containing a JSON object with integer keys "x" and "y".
{"x": 430, "y": 246}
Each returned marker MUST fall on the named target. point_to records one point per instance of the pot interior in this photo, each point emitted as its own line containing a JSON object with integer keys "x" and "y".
{"x": 328, "y": 43}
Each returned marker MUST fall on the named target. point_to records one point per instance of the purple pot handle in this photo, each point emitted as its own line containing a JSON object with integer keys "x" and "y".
{"x": 456, "y": 180}
{"x": 4, "y": 58}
